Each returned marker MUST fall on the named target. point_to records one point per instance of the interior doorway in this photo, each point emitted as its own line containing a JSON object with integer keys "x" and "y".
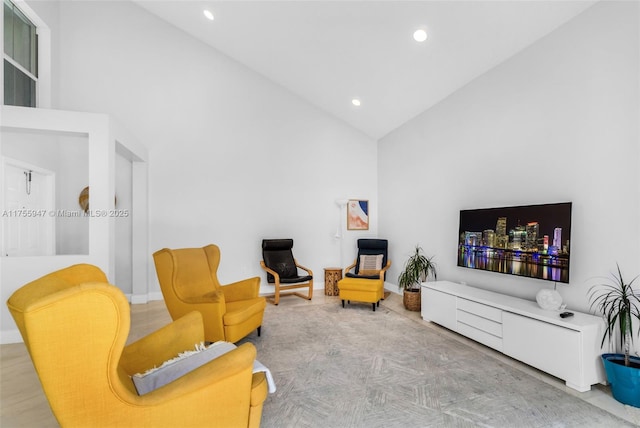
{"x": 28, "y": 217}
{"x": 124, "y": 224}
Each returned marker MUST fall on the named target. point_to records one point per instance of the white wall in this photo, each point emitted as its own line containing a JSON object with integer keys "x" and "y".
{"x": 557, "y": 122}
{"x": 565, "y": 111}
{"x": 233, "y": 158}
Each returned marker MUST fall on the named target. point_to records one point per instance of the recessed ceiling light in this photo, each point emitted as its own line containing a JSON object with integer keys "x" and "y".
{"x": 355, "y": 102}
{"x": 208, "y": 14}
{"x": 420, "y": 35}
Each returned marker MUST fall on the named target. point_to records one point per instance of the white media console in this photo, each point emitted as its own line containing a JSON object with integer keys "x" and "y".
{"x": 567, "y": 348}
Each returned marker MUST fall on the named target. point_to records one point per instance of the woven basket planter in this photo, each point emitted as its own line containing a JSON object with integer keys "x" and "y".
{"x": 411, "y": 300}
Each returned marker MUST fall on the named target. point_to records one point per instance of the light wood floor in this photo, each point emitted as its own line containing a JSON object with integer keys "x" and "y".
{"x": 23, "y": 404}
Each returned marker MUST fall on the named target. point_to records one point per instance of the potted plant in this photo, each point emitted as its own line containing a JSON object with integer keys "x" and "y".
{"x": 619, "y": 305}
{"x": 416, "y": 270}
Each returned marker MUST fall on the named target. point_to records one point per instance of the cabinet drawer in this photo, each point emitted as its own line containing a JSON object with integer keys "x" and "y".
{"x": 480, "y": 336}
{"x": 484, "y": 311}
{"x": 550, "y": 348}
{"x": 439, "y": 307}
{"x": 480, "y": 323}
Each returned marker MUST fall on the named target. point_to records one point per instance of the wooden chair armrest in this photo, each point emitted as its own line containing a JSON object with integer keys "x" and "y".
{"x": 303, "y": 268}
{"x": 348, "y": 268}
{"x": 385, "y": 269}
{"x": 275, "y": 274}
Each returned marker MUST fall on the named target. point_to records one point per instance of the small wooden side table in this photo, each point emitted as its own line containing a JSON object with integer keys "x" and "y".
{"x": 331, "y": 278}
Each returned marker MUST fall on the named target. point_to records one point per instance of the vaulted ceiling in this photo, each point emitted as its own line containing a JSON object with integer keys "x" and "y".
{"x": 330, "y": 52}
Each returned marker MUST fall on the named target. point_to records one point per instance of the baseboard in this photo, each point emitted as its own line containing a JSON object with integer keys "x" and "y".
{"x": 393, "y": 288}
{"x": 137, "y": 299}
{"x": 156, "y": 295}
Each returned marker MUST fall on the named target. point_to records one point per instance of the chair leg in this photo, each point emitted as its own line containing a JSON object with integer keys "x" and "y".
{"x": 343, "y": 303}
{"x": 378, "y": 304}
{"x": 259, "y": 330}
{"x": 374, "y": 307}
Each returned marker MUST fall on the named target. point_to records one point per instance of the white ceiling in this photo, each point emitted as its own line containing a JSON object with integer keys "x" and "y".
{"x": 328, "y": 52}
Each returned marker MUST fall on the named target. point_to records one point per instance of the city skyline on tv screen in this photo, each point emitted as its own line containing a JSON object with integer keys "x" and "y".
{"x": 531, "y": 241}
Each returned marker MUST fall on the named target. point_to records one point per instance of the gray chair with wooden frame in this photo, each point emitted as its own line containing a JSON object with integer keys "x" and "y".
{"x": 282, "y": 270}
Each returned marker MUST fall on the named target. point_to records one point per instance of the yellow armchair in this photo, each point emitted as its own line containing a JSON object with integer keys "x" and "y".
{"x": 189, "y": 282}
{"x": 75, "y": 326}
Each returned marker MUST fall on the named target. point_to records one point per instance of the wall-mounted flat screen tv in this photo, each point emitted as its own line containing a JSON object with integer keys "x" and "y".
{"x": 531, "y": 241}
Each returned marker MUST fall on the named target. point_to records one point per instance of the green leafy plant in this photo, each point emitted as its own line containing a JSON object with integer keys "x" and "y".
{"x": 416, "y": 269}
{"x": 619, "y": 305}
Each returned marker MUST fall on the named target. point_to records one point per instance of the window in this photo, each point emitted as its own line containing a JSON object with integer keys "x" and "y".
{"x": 20, "y": 58}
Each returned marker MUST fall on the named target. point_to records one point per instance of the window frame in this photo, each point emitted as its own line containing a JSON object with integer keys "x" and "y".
{"x": 43, "y": 52}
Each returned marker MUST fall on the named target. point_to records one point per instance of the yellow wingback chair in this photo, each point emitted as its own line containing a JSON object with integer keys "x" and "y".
{"x": 189, "y": 282}
{"x": 75, "y": 326}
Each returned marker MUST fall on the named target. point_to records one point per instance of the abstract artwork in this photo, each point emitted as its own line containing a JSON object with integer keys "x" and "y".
{"x": 357, "y": 215}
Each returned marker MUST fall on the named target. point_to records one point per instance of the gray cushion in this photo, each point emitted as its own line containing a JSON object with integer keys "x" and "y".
{"x": 179, "y": 366}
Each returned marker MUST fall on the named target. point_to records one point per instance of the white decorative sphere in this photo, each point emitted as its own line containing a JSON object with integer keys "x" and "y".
{"x": 550, "y": 300}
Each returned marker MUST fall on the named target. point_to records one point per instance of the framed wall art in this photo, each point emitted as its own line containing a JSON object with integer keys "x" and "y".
{"x": 357, "y": 214}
